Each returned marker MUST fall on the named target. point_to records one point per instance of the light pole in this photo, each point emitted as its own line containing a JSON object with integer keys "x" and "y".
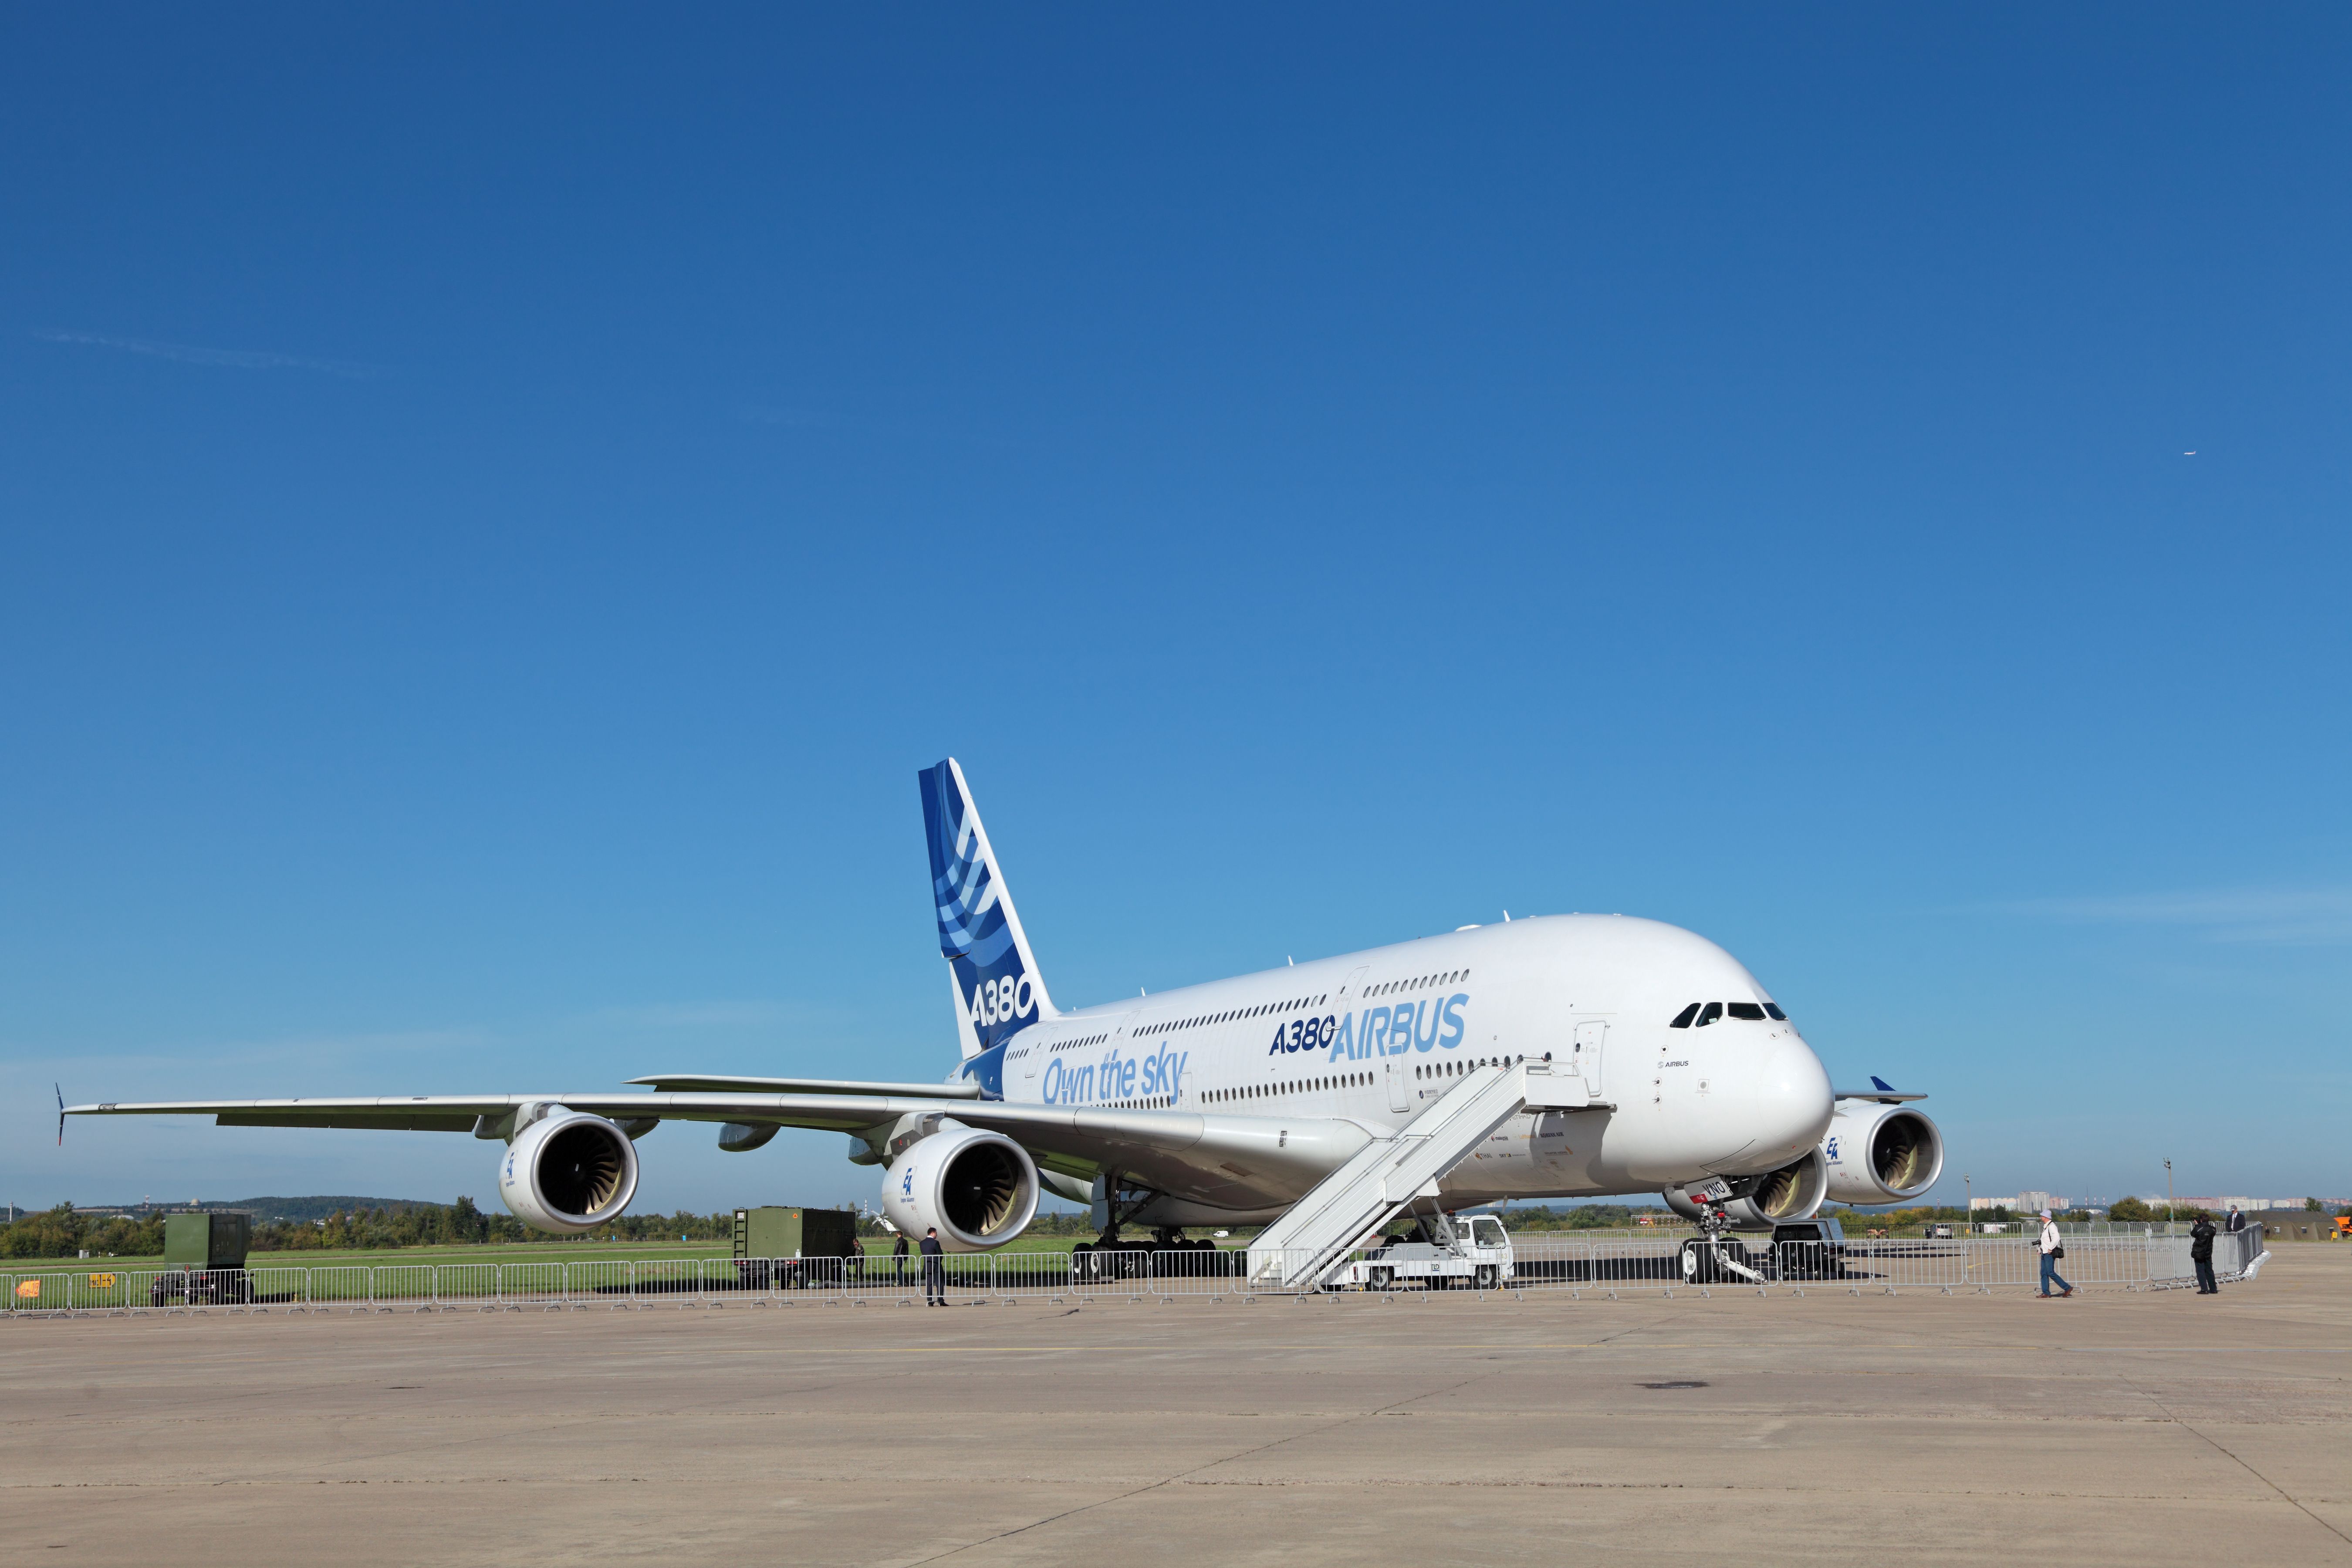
{"x": 1968, "y": 1186}
{"x": 2167, "y": 1198}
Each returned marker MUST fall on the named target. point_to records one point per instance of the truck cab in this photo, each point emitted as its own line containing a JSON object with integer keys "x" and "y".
{"x": 1439, "y": 1253}
{"x": 1809, "y": 1249}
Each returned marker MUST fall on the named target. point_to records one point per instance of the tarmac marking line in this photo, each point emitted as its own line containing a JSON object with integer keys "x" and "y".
{"x": 1185, "y": 1476}
{"x": 2220, "y": 1448}
{"x": 1518, "y": 1345}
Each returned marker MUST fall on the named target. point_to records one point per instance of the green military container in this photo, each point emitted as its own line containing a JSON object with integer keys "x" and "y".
{"x": 775, "y": 1232}
{"x": 207, "y": 1240}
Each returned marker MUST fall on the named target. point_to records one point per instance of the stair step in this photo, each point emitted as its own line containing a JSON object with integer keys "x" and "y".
{"x": 1389, "y": 1173}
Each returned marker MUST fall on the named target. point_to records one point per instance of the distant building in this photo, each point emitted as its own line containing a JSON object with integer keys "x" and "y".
{"x": 2024, "y": 1203}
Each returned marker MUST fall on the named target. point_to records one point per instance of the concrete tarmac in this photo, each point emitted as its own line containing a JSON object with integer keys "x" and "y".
{"x": 2145, "y": 1429}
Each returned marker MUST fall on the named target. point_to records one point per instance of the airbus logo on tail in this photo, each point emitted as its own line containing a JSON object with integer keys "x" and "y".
{"x": 1003, "y": 1001}
{"x": 997, "y": 987}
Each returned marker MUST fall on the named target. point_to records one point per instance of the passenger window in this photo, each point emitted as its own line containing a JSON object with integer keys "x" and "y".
{"x": 1771, "y": 1011}
{"x": 1747, "y": 1011}
{"x": 1683, "y": 1019}
{"x": 1709, "y": 1014}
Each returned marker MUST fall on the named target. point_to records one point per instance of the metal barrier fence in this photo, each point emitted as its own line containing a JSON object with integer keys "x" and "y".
{"x": 2236, "y": 1255}
{"x": 1613, "y": 1267}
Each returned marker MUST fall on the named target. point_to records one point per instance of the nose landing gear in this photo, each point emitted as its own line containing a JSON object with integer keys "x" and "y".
{"x": 1713, "y": 1256}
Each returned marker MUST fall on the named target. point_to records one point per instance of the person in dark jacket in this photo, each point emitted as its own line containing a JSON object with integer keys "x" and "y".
{"x": 2200, "y": 1253}
{"x": 898, "y": 1259}
{"x": 935, "y": 1270}
{"x": 2235, "y": 1223}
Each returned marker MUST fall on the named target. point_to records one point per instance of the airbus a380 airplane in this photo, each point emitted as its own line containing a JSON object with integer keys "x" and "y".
{"x": 1610, "y": 1054}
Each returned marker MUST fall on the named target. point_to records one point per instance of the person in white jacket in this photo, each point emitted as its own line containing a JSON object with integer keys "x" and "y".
{"x": 2052, "y": 1246}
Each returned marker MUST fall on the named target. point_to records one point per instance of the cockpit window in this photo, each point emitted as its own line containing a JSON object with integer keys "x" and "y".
{"x": 1709, "y": 1014}
{"x": 1683, "y": 1019}
{"x": 1772, "y": 1010}
{"x": 1748, "y": 1011}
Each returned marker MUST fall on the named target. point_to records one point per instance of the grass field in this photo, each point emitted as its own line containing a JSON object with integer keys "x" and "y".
{"x": 519, "y": 1252}
{"x": 479, "y": 1273}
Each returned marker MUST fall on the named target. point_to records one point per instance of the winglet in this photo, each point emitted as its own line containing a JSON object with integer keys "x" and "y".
{"x": 61, "y": 1113}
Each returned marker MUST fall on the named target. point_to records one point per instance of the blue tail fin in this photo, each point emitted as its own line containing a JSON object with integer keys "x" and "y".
{"x": 998, "y": 990}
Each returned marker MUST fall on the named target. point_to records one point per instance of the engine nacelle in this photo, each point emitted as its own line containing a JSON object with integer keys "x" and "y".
{"x": 568, "y": 1171}
{"x": 1792, "y": 1192}
{"x": 979, "y": 1188}
{"x": 1881, "y": 1153}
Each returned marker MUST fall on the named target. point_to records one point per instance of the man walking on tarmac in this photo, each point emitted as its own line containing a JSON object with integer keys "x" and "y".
{"x": 2200, "y": 1253}
{"x": 2053, "y": 1249}
{"x": 935, "y": 1270}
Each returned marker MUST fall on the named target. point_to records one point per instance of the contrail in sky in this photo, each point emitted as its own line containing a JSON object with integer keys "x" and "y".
{"x": 2298, "y": 917}
{"x": 240, "y": 359}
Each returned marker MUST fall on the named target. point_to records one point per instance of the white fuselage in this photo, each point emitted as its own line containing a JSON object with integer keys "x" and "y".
{"x": 1373, "y": 1037}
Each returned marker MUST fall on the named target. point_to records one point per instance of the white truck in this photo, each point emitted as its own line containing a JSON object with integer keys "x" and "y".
{"x": 1438, "y": 1254}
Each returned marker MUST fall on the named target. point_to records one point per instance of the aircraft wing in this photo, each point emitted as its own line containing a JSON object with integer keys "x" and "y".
{"x": 1232, "y": 1162}
{"x": 1883, "y": 1092}
{"x": 965, "y": 1089}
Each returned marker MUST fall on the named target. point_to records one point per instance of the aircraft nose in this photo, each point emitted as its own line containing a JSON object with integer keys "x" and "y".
{"x": 1789, "y": 1095}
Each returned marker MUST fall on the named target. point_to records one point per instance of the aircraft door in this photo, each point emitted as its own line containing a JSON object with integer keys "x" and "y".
{"x": 1591, "y": 1035}
{"x": 1400, "y": 1077}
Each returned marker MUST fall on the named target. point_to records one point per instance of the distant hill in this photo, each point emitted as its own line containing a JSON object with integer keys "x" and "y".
{"x": 301, "y": 1210}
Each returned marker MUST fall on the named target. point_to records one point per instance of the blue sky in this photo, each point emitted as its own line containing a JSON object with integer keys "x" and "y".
{"x": 496, "y": 506}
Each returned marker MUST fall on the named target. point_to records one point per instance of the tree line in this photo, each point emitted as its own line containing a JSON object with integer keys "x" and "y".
{"x": 62, "y": 1231}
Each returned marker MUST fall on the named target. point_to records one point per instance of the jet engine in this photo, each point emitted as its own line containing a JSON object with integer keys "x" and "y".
{"x": 1792, "y": 1192}
{"x": 1880, "y": 1154}
{"x": 568, "y": 1171}
{"x": 979, "y": 1188}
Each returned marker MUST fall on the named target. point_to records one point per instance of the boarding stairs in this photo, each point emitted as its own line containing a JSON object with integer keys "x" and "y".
{"x": 1387, "y": 1175}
